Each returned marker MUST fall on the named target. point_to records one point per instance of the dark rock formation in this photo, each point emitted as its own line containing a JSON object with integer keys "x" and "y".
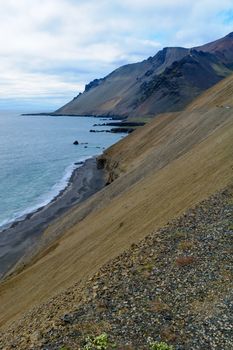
{"x": 100, "y": 162}
{"x": 93, "y": 84}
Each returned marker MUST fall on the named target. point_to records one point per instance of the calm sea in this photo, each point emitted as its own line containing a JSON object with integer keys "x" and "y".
{"x": 37, "y": 157}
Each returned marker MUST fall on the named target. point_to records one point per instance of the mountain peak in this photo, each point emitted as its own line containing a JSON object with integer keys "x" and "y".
{"x": 230, "y": 35}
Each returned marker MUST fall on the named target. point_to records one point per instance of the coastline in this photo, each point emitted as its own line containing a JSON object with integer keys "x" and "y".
{"x": 27, "y": 213}
{"x": 23, "y": 236}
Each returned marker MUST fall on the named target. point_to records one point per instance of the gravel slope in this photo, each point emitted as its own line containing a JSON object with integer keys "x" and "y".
{"x": 175, "y": 286}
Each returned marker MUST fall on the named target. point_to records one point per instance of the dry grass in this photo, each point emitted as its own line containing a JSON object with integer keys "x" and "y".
{"x": 146, "y": 268}
{"x": 205, "y": 307}
{"x": 167, "y": 334}
{"x": 93, "y": 328}
{"x": 186, "y": 245}
{"x": 178, "y": 235}
{"x": 158, "y": 306}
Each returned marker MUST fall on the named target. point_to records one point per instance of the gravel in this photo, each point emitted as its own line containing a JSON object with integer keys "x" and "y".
{"x": 174, "y": 286}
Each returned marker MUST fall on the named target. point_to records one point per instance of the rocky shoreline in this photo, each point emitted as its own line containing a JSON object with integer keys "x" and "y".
{"x": 119, "y": 130}
{"x": 119, "y": 127}
{"x": 173, "y": 286}
{"x": 22, "y": 238}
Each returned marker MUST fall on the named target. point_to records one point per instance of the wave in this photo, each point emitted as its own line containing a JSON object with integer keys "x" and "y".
{"x": 46, "y": 198}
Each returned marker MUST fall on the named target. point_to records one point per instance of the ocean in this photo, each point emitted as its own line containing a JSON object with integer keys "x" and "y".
{"x": 37, "y": 157}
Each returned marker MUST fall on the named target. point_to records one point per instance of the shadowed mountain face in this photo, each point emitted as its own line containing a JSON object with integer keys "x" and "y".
{"x": 222, "y": 48}
{"x": 166, "y": 82}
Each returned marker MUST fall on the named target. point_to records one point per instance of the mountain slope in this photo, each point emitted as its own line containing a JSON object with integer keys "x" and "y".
{"x": 156, "y": 173}
{"x": 180, "y": 83}
{"x": 115, "y": 93}
{"x": 163, "y": 83}
{"x": 222, "y": 48}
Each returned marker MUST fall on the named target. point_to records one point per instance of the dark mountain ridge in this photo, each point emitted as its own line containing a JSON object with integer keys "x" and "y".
{"x": 164, "y": 83}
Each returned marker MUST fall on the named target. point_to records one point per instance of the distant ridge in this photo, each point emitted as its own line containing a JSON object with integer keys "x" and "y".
{"x": 166, "y": 82}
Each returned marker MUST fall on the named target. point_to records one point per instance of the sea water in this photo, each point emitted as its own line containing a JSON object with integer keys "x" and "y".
{"x": 37, "y": 157}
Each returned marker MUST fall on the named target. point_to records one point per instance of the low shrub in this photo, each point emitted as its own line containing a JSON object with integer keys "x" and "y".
{"x": 155, "y": 345}
{"x": 100, "y": 342}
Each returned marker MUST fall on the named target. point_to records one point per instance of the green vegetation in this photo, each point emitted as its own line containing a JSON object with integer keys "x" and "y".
{"x": 101, "y": 342}
{"x": 221, "y": 69}
{"x": 146, "y": 267}
{"x": 154, "y": 345}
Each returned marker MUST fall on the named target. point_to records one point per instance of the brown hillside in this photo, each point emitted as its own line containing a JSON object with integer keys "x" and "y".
{"x": 167, "y": 82}
{"x": 159, "y": 170}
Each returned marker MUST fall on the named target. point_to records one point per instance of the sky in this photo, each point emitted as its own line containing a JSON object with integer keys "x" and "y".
{"x": 49, "y": 49}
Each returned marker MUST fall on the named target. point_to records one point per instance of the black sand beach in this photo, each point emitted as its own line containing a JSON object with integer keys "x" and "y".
{"x": 22, "y": 237}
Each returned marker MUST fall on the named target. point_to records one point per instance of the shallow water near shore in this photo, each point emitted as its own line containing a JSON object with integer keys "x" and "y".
{"x": 37, "y": 158}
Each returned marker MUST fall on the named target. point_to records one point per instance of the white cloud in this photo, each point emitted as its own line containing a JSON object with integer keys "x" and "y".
{"x": 56, "y": 46}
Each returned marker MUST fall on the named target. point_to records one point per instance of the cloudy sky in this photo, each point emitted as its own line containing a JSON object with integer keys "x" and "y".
{"x": 51, "y": 48}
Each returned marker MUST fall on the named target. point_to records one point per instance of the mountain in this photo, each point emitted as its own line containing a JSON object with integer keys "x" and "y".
{"x": 166, "y": 82}
{"x": 155, "y": 174}
{"x": 222, "y": 48}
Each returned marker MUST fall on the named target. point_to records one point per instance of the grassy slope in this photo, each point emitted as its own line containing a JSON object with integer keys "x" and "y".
{"x": 169, "y": 165}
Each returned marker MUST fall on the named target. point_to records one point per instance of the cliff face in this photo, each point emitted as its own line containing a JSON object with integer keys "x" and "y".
{"x": 164, "y": 83}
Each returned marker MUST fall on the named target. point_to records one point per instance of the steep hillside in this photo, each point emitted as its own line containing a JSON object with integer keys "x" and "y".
{"x": 155, "y": 174}
{"x": 174, "y": 286}
{"x": 164, "y": 83}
